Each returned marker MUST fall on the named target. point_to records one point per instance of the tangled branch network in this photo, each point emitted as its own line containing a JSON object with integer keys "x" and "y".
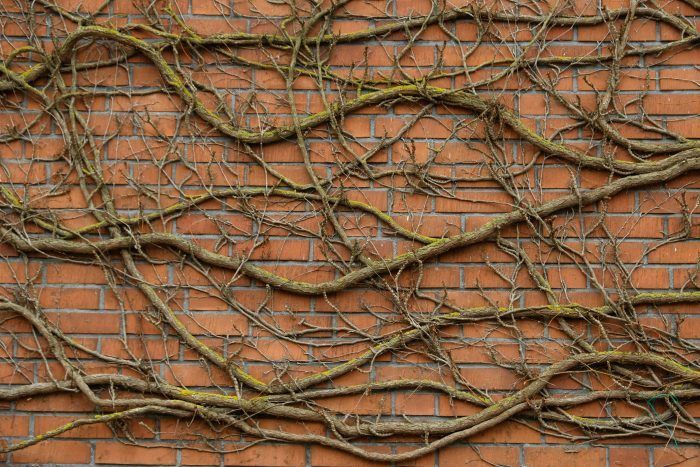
{"x": 288, "y": 222}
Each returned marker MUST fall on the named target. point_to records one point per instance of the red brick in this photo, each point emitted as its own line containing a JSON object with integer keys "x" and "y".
{"x": 679, "y": 79}
{"x": 415, "y": 404}
{"x": 112, "y": 452}
{"x": 681, "y": 456}
{"x": 689, "y": 328}
{"x": 327, "y": 457}
{"x": 14, "y": 425}
{"x": 75, "y": 274}
{"x": 507, "y": 433}
{"x": 55, "y": 452}
{"x": 675, "y": 253}
{"x": 623, "y": 456}
{"x": 475, "y": 454}
{"x": 574, "y": 456}
{"x": 86, "y": 323}
{"x": 267, "y": 455}
{"x": 80, "y": 298}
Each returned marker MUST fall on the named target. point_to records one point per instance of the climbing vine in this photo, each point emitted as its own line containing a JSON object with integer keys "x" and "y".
{"x": 158, "y": 127}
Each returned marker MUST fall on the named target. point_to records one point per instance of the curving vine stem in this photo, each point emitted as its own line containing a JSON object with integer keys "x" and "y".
{"x": 272, "y": 219}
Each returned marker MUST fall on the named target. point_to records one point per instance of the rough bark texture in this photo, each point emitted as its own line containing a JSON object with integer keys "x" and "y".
{"x": 394, "y": 232}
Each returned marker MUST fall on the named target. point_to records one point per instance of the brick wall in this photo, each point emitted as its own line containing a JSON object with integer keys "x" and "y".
{"x": 181, "y": 150}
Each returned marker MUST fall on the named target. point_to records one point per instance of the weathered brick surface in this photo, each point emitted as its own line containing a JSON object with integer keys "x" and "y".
{"x": 157, "y": 155}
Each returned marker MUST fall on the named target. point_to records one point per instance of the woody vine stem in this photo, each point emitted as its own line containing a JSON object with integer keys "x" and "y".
{"x": 421, "y": 323}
